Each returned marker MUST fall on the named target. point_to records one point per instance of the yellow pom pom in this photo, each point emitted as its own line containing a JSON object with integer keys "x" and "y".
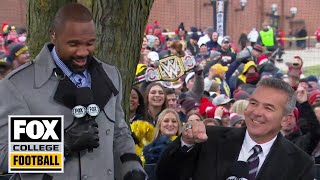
{"x": 139, "y": 153}
{"x": 143, "y": 131}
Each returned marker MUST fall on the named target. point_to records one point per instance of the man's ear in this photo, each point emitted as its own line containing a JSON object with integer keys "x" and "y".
{"x": 286, "y": 118}
{"x": 52, "y": 36}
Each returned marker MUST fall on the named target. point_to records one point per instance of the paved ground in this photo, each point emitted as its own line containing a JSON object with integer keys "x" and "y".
{"x": 310, "y": 56}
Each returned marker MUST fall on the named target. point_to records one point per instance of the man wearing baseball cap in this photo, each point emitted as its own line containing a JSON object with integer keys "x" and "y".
{"x": 313, "y": 81}
{"x": 218, "y": 73}
{"x": 228, "y": 54}
{"x": 223, "y": 100}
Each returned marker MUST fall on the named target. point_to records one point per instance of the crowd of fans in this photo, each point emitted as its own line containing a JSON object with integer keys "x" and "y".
{"x": 217, "y": 90}
{"x": 13, "y": 51}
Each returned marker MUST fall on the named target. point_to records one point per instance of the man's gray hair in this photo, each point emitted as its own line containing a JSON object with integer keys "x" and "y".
{"x": 283, "y": 86}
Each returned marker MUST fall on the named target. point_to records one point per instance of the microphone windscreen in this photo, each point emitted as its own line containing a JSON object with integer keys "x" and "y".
{"x": 84, "y": 96}
{"x": 239, "y": 169}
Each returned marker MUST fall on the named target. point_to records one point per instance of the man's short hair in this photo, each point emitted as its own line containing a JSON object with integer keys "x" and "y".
{"x": 74, "y": 12}
{"x": 283, "y": 86}
{"x": 169, "y": 91}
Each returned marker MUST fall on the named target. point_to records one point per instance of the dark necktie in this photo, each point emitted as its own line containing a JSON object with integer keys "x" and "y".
{"x": 253, "y": 162}
{"x": 185, "y": 148}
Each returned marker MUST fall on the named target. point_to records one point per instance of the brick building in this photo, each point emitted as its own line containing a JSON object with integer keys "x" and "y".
{"x": 13, "y": 12}
{"x": 199, "y": 13}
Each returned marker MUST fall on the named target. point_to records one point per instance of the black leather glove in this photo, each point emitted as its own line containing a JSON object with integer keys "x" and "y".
{"x": 81, "y": 135}
{"x": 135, "y": 175}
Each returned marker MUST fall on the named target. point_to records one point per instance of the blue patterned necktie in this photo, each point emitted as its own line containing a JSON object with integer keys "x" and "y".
{"x": 253, "y": 162}
{"x": 79, "y": 82}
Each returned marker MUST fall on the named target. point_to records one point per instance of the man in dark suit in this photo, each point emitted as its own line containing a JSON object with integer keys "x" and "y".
{"x": 205, "y": 154}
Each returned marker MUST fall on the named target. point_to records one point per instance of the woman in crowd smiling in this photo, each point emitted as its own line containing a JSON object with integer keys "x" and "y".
{"x": 137, "y": 106}
{"x": 167, "y": 129}
{"x": 155, "y": 99}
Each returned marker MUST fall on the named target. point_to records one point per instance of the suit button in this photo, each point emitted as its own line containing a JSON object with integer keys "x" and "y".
{"x": 84, "y": 177}
{"x": 108, "y": 131}
{"x": 109, "y": 171}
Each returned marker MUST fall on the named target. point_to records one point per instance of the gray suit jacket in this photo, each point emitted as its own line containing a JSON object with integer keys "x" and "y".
{"x": 30, "y": 90}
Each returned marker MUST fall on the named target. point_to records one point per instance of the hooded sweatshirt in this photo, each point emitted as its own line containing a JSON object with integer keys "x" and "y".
{"x": 243, "y": 77}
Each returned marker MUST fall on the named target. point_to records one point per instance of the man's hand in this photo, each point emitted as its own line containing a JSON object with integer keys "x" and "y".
{"x": 194, "y": 132}
{"x": 219, "y": 111}
{"x": 81, "y": 136}
{"x": 302, "y": 95}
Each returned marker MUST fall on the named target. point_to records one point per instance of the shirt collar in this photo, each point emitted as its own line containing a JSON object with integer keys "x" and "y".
{"x": 59, "y": 63}
{"x": 62, "y": 66}
{"x": 249, "y": 143}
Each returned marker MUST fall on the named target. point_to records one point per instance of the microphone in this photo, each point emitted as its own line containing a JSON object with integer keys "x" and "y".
{"x": 58, "y": 73}
{"x": 85, "y": 109}
{"x": 83, "y": 98}
{"x": 238, "y": 171}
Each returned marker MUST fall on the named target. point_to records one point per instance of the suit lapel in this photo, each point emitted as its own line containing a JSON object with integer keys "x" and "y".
{"x": 229, "y": 148}
{"x": 43, "y": 65}
{"x": 278, "y": 154}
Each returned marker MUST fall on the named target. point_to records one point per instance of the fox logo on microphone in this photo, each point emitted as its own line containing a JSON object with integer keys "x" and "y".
{"x": 35, "y": 144}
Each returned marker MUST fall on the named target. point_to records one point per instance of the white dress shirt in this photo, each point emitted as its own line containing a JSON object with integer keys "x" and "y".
{"x": 246, "y": 149}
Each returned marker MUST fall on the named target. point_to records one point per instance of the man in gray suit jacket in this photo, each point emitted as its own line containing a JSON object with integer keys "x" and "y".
{"x": 47, "y": 86}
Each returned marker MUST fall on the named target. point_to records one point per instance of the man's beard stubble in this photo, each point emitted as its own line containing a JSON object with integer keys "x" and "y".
{"x": 76, "y": 69}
